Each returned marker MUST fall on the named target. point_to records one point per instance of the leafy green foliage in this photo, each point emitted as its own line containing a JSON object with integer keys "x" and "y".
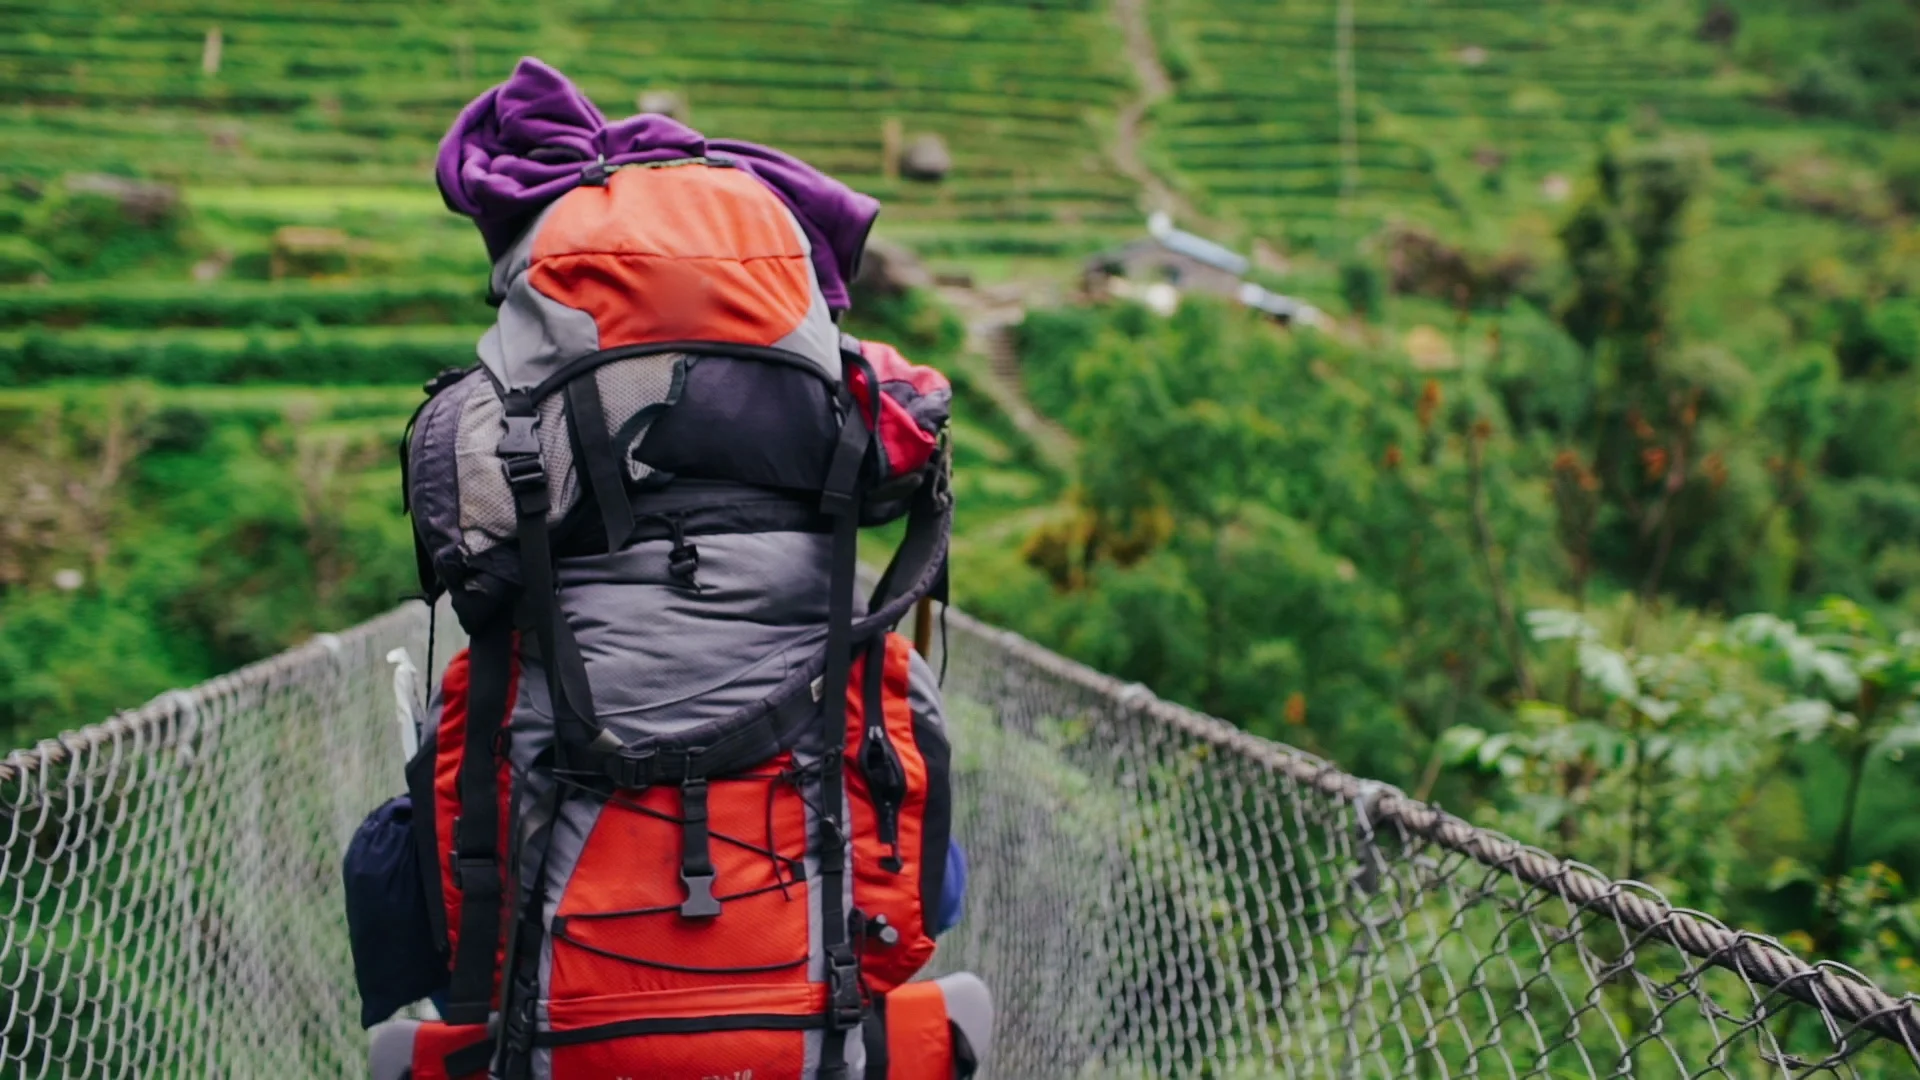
{"x": 1311, "y": 538}
{"x": 93, "y": 233}
{"x": 1673, "y": 765}
{"x": 148, "y": 304}
{"x": 1269, "y": 527}
{"x": 22, "y": 260}
{"x": 160, "y": 538}
{"x": 311, "y": 355}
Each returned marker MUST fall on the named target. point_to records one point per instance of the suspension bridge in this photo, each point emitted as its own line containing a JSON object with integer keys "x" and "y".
{"x": 1154, "y": 893}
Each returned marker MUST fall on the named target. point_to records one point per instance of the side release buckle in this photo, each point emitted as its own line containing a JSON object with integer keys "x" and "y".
{"x": 521, "y": 437}
{"x": 700, "y": 902}
{"x": 846, "y": 1009}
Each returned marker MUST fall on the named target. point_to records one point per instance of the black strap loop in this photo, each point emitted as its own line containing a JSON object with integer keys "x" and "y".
{"x": 879, "y": 1051}
{"x": 696, "y": 856}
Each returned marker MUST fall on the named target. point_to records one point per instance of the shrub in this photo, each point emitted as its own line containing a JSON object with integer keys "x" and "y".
{"x": 1895, "y": 325}
{"x": 99, "y": 225}
{"x": 1824, "y": 86}
{"x": 1420, "y": 263}
{"x": 1903, "y": 181}
{"x": 22, "y": 260}
{"x": 1360, "y": 287}
{"x": 912, "y": 320}
{"x": 243, "y": 304}
{"x": 314, "y": 356}
{"x": 1050, "y": 341}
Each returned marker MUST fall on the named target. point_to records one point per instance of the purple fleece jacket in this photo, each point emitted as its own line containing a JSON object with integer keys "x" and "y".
{"x": 533, "y": 138}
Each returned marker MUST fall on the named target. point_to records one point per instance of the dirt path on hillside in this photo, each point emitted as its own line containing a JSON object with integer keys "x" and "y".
{"x": 990, "y": 315}
{"x": 1129, "y": 130}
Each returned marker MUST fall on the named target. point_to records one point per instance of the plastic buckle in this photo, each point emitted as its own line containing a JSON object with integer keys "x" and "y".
{"x": 520, "y": 1025}
{"x": 521, "y": 437}
{"x": 846, "y": 1009}
{"x": 700, "y": 902}
{"x": 526, "y": 473}
{"x": 632, "y": 770}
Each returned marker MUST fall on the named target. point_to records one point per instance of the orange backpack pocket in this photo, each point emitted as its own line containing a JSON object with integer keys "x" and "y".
{"x": 625, "y": 922}
{"x": 737, "y": 1031}
{"x": 653, "y": 975}
{"x": 900, "y": 801}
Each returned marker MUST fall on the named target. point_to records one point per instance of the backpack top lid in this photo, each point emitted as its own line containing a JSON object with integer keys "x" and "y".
{"x": 524, "y": 143}
{"x": 692, "y": 251}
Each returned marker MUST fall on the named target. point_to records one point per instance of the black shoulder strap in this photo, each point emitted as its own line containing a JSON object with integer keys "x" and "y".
{"x": 879, "y": 1052}
{"x": 571, "y": 695}
{"x": 841, "y": 499}
{"x": 476, "y": 831}
{"x": 519, "y": 450}
{"x": 596, "y": 458}
{"x": 919, "y": 565}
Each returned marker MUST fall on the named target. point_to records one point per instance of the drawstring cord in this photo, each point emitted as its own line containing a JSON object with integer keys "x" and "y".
{"x": 683, "y": 559}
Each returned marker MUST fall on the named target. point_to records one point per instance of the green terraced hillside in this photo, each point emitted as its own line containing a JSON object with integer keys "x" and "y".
{"x": 305, "y": 244}
{"x": 348, "y": 94}
{"x": 1464, "y": 112}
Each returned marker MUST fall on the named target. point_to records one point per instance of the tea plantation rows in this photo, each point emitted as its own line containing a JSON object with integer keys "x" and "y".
{"x": 1480, "y": 119}
{"x": 357, "y": 94}
{"x": 1464, "y": 110}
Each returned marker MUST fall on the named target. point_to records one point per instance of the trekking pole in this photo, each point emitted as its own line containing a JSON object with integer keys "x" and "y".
{"x": 923, "y": 627}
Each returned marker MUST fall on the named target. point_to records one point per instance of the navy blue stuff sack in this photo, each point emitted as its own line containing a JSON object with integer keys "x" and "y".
{"x": 953, "y": 894}
{"x": 396, "y": 961}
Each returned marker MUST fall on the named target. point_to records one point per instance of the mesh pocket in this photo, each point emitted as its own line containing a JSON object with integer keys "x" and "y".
{"x": 632, "y": 392}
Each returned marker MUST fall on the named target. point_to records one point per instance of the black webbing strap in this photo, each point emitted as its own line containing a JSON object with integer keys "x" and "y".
{"x": 566, "y": 670}
{"x": 966, "y": 1062}
{"x": 696, "y": 854}
{"x": 597, "y": 459}
{"x": 841, "y": 498}
{"x": 521, "y": 994}
{"x": 643, "y": 766}
{"x": 921, "y": 557}
{"x": 567, "y": 687}
{"x": 874, "y": 1034}
{"x": 476, "y": 831}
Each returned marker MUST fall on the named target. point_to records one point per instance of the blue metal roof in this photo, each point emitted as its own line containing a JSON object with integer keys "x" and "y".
{"x": 1196, "y": 247}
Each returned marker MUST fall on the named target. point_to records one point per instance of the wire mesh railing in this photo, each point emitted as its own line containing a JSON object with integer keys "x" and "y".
{"x": 1153, "y": 893}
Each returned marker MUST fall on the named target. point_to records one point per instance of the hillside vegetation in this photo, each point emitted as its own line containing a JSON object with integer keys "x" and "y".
{"x": 1597, "y": 515}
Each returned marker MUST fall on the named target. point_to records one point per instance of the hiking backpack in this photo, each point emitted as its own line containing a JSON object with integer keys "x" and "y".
{"x": 684, "y": 799}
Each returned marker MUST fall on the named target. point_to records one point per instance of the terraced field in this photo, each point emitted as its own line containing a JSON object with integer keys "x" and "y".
{"x": 1464, "y": 111}
{"x": 1478, "y": 117}
{"x": 356, "y": 95}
